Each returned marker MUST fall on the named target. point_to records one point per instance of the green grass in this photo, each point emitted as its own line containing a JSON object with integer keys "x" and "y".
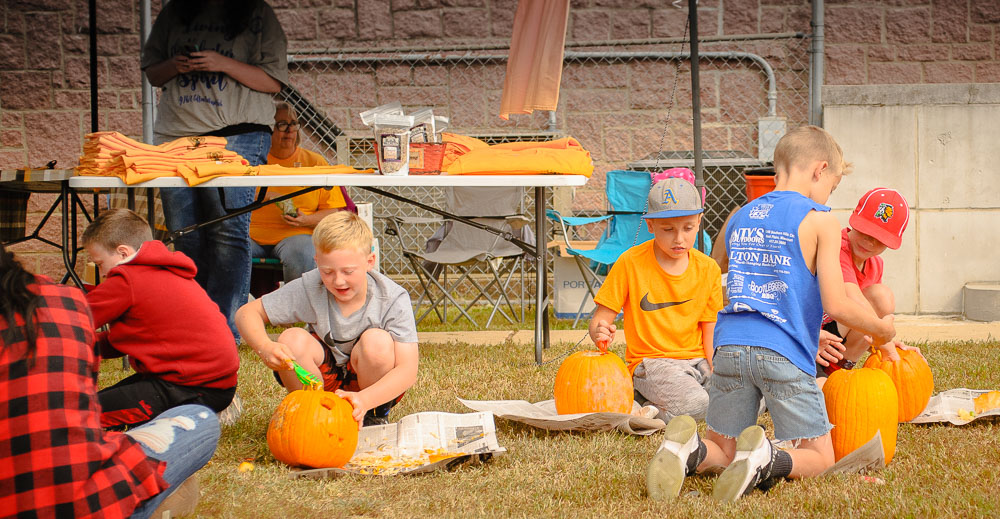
{"x": 939, "y": 470}
{"x": 480, "y": 313}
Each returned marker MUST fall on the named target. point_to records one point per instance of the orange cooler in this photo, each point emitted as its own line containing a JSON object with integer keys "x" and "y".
{"x": 759, "y": 181}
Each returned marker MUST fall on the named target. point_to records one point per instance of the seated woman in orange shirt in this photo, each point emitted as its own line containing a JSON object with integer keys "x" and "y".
{"x": 284, "y": 230}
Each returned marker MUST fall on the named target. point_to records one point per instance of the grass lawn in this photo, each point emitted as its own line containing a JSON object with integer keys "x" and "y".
{"x": 938, "y": 471}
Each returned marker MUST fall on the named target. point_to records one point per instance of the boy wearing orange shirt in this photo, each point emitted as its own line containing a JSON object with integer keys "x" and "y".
{"x": 671, "y": 295}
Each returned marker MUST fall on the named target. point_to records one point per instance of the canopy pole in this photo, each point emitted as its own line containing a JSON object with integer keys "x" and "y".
{"x": 92, "y": 8}
{"x": 699, "y": 178}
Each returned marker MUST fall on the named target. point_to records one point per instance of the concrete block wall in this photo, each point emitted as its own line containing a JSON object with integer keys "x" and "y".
{"x": 617, "y": 114}
{"x": 936, "y": 144}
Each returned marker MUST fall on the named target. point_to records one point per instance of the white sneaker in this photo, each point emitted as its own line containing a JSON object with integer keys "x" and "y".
{"x": 750, "y": 467}
{"x": 666, "y": 471}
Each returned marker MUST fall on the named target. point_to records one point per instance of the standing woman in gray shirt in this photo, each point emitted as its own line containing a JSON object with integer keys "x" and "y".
{"x": 217, "y": 62}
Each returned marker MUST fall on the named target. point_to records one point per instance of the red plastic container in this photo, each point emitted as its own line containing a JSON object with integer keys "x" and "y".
{"x": 426, "y": 157}
{"x": 759, "y": 181}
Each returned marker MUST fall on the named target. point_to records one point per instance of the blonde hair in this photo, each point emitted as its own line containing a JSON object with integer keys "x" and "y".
{"x": 342, "y": 230}
{"x": 116, "y": 227}
{"x": 806, "y": 144}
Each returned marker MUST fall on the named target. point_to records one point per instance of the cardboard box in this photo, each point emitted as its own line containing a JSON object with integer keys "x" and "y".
{"x": 570, "y": 286}
{"x": 367, "y": 213}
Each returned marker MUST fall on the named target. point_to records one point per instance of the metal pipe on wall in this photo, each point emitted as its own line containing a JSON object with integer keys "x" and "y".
{"x": 148, "y": 113}
{"x": 772, "y": 85}
{"x": 816, "y": 51}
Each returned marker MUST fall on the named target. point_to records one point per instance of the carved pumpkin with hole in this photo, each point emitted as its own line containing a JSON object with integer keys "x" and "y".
{"x": 913, "y": 380}
{"x": 592, "y": 382}
{"x": 313, "y": 428}
{"x": 860, "y": 402}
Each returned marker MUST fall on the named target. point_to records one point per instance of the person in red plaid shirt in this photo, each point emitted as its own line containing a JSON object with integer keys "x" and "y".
{"x": 55, "y": 460}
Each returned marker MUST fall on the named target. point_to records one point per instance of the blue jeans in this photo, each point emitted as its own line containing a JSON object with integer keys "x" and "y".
{"x": 221, "y": 251}
{"x": 296, "y": 253}
{"x": 185, "y": 438}
{"x": 744, "y": 374}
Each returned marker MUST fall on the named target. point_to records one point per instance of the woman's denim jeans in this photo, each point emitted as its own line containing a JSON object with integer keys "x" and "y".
{"x": 221, "y": 251}
{"x": 185, "y": 437}
{"x": 296, "y": 253}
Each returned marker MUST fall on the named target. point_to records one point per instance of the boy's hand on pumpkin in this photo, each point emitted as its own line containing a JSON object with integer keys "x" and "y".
{"x": 605, "y": 332}
{"x": 357, "y": 401}
{"x": 889, "y": 351}
{"x": 904, "y": 347}
{"x": 831, "y": 348}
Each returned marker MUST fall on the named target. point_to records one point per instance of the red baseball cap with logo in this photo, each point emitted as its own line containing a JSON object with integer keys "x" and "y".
{"x": 882, "y": 213}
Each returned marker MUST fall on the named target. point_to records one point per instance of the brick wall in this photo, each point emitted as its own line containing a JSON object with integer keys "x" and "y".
{"x": 615, "y": 109}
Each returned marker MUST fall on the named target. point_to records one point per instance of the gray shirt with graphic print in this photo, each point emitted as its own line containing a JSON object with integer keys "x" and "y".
{"x": 197, "y": 103}
{"x": 387, "y": 307}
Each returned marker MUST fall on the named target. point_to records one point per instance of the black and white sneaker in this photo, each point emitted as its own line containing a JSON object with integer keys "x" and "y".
{"x": 751, "y": 466}
{"x": 674, "y": 459}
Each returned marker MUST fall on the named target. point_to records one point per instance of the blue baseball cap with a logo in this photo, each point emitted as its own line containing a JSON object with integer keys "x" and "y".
{"x": 673, "y": 197}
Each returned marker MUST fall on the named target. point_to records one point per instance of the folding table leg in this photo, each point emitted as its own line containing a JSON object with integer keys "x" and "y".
{"x": 541, "y": 277}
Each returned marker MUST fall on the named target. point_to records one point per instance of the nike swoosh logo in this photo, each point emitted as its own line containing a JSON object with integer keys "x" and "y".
{"x": 646, "y": 306}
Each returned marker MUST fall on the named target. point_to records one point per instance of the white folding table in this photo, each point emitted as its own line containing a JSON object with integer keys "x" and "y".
{"x": 372, "y": 182}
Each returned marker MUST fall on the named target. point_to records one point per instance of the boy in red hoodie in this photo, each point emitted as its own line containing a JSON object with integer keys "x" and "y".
{"x": 176, "y": 338}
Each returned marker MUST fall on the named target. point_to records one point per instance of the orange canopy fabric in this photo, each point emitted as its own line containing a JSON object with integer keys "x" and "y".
{"x": 534, "y": 65}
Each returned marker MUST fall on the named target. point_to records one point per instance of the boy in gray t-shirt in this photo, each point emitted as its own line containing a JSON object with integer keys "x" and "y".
{"x": 361, "y": 338}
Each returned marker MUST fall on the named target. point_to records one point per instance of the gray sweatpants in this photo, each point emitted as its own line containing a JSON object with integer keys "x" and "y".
{"x": 675, "y": 387}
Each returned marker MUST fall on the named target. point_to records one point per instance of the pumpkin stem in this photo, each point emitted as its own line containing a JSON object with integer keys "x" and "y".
{"x": 603, "y": 346}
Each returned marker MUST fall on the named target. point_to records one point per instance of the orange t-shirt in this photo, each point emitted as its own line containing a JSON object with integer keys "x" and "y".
{"x": 267, "y": 227}
{"x": 662, "y": 312}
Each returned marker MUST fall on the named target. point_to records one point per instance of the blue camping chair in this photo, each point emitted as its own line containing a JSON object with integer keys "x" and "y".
{"x": 627, "y": 192}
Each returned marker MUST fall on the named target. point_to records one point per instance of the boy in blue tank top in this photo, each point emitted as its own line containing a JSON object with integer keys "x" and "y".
{"x": 784, "y": 270}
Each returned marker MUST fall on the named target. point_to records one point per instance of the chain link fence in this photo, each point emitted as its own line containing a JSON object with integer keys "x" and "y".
{"x": 627, "y": 102}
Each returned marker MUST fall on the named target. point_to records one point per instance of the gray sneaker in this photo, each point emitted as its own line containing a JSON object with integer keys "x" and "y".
{"x": 231, "y": 414}
{"x": 182, "y": 501}
{"x": 750, "y": 467}
{"x": 669, "y": 466}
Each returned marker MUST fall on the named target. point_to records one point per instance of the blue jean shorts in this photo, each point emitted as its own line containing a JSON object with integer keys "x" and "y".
{"x": 744, "y": 374}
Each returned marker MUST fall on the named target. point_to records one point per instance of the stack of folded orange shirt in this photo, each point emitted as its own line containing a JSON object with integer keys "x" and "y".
{"x": 113, "y": 154}
{"x": 195, "y": 159}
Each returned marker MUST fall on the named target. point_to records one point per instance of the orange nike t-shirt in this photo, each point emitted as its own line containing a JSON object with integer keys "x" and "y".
{"x": 267, "y": 227}
{"x": 662, "y": 312}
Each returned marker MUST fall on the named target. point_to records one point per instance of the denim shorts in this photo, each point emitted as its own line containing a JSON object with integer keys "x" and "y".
{"x": 744, "y": 374}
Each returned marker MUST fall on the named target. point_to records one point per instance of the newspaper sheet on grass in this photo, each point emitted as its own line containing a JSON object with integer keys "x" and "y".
{"x": 544, "y": 416}
{"x": 419, "y": 443}
{"x": 865, "y": 458}
{"x": 946, "y": 406}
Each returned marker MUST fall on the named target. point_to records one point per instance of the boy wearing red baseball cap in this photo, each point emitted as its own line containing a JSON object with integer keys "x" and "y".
{"x": 876, "y": 223}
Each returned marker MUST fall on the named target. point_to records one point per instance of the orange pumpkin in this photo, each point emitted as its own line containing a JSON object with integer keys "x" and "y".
{"x": 913, "y": 380}
{"x": 860, "y": 402}
{"x": 592, "y": 382}
{"x": 313, "y": 428}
